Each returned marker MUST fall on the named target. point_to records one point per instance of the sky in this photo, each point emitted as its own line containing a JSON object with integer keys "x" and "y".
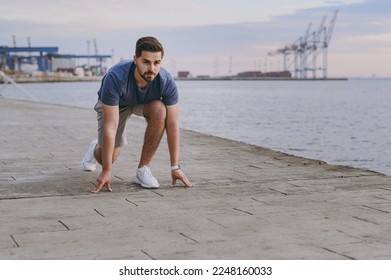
{"x": 209, "y": 37}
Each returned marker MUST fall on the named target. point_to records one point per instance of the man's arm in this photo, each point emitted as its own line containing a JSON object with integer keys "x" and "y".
{"x": 172, "y": 129}
{"x": 110, "y": 125}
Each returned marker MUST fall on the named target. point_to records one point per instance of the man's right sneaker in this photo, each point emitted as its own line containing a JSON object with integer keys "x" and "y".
{"x": 145, "y": 178}
{"x": 89, "y": 162}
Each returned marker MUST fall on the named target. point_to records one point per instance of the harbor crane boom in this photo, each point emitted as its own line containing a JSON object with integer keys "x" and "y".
{"x": 327, "y": 37}
{"x": 95, "y": 47}
{"x": 306, "y": 49}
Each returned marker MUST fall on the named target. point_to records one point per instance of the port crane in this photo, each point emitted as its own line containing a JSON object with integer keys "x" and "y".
{"x": 307, "y": 49}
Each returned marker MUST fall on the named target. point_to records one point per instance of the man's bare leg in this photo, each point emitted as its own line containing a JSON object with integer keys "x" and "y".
{"x": 155, "y": 113}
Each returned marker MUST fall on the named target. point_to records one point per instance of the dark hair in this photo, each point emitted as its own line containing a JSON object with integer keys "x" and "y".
{"x": 149, "y": 44}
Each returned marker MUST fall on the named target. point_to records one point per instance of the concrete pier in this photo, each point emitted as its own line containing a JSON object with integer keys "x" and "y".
{"x": 247, "y": 202}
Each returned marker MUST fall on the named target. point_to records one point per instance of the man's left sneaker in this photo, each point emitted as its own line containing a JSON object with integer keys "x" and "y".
{"x": 89, "y": 162}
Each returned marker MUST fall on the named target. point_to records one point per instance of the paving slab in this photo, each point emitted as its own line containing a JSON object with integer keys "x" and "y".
{"x": 247, "y": 202}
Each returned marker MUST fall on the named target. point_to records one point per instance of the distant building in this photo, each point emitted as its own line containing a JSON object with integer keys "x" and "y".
{"x": 250, "y": 74}
{"x": 259, "y": 74}
{"x": 203, "y": 77}
{"x": 45, "y": 59}
{"x": 184, "y": 74}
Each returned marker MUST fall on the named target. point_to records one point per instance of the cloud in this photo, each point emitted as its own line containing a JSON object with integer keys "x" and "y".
{"x": 361, "y": 27}
{"x": 109, "y": 15}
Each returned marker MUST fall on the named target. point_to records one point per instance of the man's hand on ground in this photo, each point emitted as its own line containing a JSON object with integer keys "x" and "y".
{"x": 103, "y": 180}
{"x": 178, "y": 174}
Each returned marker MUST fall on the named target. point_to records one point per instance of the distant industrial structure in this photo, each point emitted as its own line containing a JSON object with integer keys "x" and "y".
{"x": 264, "y": 75}
{"x": 306, "y": 51}
{"x": 12, "y": 58}
{"x": 247, "y": 75}
{"x": 302, "y": 60}
{"x": 30, "y": 59}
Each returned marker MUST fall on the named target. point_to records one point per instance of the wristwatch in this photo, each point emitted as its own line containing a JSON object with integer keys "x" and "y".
{"x": 175, "y": 167}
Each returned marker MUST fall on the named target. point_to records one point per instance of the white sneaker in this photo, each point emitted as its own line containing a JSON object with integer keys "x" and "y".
{"x": 89, "y": 162}
{"x": 145, "y": 178}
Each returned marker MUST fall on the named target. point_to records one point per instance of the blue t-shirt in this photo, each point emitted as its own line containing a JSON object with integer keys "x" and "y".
{"x": 119, "y": 87}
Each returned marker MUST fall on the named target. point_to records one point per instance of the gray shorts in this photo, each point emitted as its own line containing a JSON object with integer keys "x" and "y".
{"x": 124, "y": 115}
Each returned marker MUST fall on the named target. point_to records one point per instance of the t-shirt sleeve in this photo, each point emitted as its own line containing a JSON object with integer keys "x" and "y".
{"x": 170, "y": 90}
{"x": 110, "y": 90}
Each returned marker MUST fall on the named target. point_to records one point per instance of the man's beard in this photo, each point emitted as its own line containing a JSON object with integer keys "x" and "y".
{"x": 144, "y": 75}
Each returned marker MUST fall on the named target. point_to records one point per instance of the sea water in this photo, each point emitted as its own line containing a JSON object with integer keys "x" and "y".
{"x": 340, "y": 122}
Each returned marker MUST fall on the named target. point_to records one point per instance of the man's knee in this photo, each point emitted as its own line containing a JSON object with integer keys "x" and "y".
{"x": 98, "y": 154}
{"x": 155, "y": 110}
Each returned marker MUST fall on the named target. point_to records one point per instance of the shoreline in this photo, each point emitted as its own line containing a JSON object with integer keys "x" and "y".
{"x": 23, "y": 80}
{"x": 287, "y": 152}
{"x": 234, "y": 78}
{"x": 56, "y": 79}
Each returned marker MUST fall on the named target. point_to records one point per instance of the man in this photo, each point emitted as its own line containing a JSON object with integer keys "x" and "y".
{"x": 141, "y": 87}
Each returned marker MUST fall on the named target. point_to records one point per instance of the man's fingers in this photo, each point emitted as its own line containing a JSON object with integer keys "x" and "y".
{"x": 184, "y": 179}
{"x": 98, "y": 187}
{"x": 173, "y": 183}
{"x": 109, "y": 187}
{"x": 179, "y": 175}
{"x": 103, "y": 180}
{"x": 186, "y": 182}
